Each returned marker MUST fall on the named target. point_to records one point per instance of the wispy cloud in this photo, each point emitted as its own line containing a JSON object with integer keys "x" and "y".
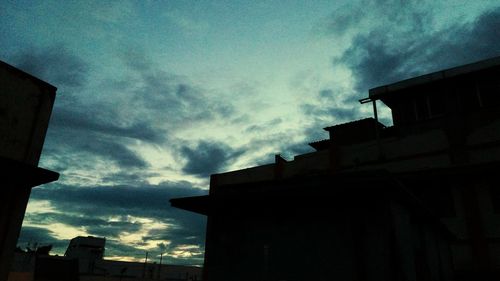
{"x": 124, "y": 119}
{"x": 185, "y": 23}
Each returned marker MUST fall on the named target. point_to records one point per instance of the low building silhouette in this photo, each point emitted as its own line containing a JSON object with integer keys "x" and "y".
{"x": 419, "y": 200}
{"x": 25, "y": 108}
{"x": 84, "y": 260}
{"x": 87, "y": 250}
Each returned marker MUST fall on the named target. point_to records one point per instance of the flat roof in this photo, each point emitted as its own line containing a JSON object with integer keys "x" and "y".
{"x": 376, "y": 93}
{"x": 301, "y": 189}
{"x": 353, "y": 124}
{"x": 321, "y": 144}
{"x": 196, "y": 204}
{"x": 26, "y": 75}
{"x": 16, "y": 173}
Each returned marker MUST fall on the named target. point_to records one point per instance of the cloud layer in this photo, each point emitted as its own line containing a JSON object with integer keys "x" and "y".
{"x": 207, "y": 158}
{"x": 139, "y": 216}
{"x": 129, "y": 131}
{"x": 394, "y": 40}
{"x": 384, "y": 56}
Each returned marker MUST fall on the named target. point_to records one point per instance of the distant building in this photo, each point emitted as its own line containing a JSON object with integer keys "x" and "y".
{"x": 25, "y": 108}
{"x": 84, "y": 261}
{"x": 419, "y": 200}
{"x": 87, "y": 250}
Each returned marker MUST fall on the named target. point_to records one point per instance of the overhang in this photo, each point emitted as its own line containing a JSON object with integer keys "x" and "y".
{"x": 311, "y": 193}
{"x": 382, "y": 91}
{"x": 26, "y": 75}
{"x": 15, "y": 173}
{"x": 196, "y": 204}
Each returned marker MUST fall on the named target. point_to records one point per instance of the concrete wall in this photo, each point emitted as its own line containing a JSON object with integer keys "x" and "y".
{"x": 25, "y": 108}
{"x": 352, "y": 238}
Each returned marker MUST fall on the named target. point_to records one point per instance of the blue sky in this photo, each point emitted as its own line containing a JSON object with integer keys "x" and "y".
{"x": 154, "y": 96}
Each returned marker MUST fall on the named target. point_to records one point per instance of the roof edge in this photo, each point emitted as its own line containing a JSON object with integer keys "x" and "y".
{"x": 27, "y": 75}
{"x": 377, "y": 92}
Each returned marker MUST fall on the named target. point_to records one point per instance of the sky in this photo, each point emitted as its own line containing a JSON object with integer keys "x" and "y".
{"x": 154, "y": 96}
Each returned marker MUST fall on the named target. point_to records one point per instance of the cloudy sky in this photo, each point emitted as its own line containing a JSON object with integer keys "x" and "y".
{"x": 154, "y": 96}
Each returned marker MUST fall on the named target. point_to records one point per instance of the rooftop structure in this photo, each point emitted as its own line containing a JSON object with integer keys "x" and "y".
{"x": 442, "y": 152}
{"x": 87, "y": 250}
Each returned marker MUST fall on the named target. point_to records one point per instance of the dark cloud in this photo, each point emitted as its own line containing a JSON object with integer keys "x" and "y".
{"x": 57, "y": 65}
{"x": 36, "y": 236}
{"x": 96, "y": 123}
{"x": 329, "y": 107}
{"x": 83, "y": 149}
{"x": 286, "y": 142}
{"x": 168, "y": 97}
{"x": 341, "y": 113}
{"x": 150, "y": 106}
{"x": 105, "y": 211}
{"x": 86, "y": 135}
{"x": 98, "y": 132}
{"x": 80, "y": 128}
{"x": 464, "y": 44}
{"x": 292, "y": 150}
{"x": 395, "y": 41}
{"x": 343, "y": 19}
{"x": 131, "y": 178}
{"x": 114, "y": 247}
{"x": 118, "y": 152}
{"x": 407, "y": 16}
{"x": 387, "y": 55}
{"x": 179, "y": 236}
{"x": 326, "y": 94}
{"x": 208, "y": 158}
{"x": 94, "y": 120}
{"x": 97, "y": 226}
{"x": 146, "y": 201}
{"x": 258, "y": 128}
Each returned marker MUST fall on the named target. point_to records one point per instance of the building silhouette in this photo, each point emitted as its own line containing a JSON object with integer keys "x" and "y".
{"x": 419, "y": 200}
{"x": 25, "y": 107}
{"x": 84, "y": 260}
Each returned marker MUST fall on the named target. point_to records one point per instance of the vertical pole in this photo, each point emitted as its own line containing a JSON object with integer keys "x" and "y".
{"x": 377, "y": 132}
{"x": 159, "y": 269}
{"x": 145, "y": 262}
{"x": 266, "y": 263}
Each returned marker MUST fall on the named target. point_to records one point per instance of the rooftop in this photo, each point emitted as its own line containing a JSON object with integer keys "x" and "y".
{"x": 378, "y": 92}
{"x": 26, "y": 75}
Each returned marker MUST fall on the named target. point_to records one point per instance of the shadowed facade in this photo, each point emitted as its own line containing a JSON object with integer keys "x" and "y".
{"x": 415, "y": 201}
{"x": 25, "y": 107}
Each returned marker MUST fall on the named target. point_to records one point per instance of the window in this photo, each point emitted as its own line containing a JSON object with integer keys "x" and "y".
{"x": 489, "y": 93}
{"x": 429, "y": 106}
{"x": 436, "y": 194}
{"x": 421, "y": 108}
{"x": 436, "y": 104}
{"x": 495, "y": 196}
{"x": 469, "y": 95}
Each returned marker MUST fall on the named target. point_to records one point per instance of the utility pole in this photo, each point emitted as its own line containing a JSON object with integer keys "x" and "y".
{"x": 159, "y": 268}
{"x": 145, "y": 262}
